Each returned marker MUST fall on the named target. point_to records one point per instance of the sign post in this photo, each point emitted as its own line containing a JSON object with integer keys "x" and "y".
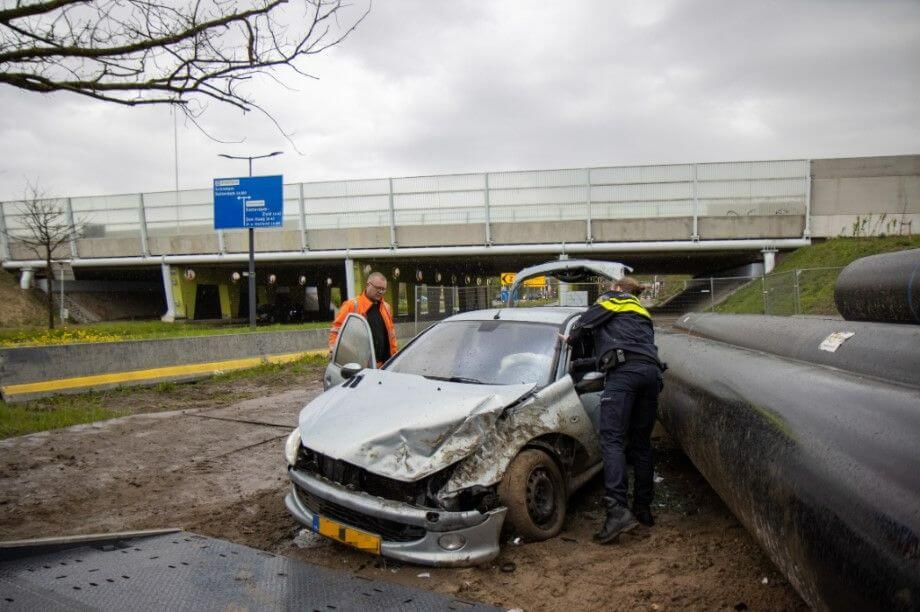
{"x": 249, "y": 202}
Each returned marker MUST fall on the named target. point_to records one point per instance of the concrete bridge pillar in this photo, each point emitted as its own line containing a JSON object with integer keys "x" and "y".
{"x": 769, "y": 260}
{"x": 25, "y": 281}
{"x": 169, "y": 291}
{"x": 350, "y": 278}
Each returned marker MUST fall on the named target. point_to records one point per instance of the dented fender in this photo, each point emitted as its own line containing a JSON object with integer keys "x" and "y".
{"x": 555, "y": 409}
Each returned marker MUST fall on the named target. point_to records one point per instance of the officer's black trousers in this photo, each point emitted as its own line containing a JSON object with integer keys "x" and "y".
{"x": 629, "y": 408}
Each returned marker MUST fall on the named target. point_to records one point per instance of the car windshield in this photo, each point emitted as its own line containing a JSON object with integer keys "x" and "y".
{"x": 487, "y": 352}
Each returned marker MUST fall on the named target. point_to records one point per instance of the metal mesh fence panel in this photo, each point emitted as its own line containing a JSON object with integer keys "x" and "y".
{"x": 779, "y": 294}
{"x": 795, "y": 292}
{"x": 696, "y": 295}
{"x": 435, "y": 303}
{"x": 815, "y": 291}
{"x": 735, "y": 287}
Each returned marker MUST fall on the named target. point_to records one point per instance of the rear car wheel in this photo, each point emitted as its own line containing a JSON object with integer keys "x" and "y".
{"x": 533, "y": 490}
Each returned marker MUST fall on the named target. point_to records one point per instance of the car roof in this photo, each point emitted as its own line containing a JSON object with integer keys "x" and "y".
{"x": 556, "y": 315}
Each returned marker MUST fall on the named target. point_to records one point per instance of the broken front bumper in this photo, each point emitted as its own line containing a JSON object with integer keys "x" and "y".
{"x": 407, "y": 533}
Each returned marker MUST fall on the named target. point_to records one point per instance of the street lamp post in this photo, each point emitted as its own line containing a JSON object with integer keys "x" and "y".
{"x": 252, "y": 250}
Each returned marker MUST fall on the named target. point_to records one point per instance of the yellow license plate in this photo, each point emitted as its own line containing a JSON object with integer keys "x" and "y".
{"x": 346, "y": 535}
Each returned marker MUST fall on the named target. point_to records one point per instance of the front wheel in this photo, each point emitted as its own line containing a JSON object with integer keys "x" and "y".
{"x": 533, "y": 490}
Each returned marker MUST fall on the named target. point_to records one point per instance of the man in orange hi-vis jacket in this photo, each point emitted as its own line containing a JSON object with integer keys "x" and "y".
{"x": 378, "y": 314}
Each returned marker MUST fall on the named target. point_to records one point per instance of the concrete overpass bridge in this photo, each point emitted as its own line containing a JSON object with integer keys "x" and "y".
{"x": 458, "y": 229}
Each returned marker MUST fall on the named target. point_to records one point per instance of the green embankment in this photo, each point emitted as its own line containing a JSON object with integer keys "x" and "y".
{"x": 821, "y": 264}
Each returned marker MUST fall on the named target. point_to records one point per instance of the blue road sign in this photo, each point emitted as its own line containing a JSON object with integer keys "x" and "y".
{"x": 248, "y": 201}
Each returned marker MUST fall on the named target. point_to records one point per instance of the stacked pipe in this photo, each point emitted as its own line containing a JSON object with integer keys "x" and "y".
{"x": 882, "y": 287}
{"x": 809, "y": 430}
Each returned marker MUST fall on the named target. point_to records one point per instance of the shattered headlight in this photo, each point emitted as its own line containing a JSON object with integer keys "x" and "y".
{"x": 292, "y": 447}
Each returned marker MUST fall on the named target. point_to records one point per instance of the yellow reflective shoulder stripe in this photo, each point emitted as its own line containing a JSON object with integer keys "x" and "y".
{"x": 627, "y": 305}
{"x": 603, "y": 299}
{"x": 621, "y": 300}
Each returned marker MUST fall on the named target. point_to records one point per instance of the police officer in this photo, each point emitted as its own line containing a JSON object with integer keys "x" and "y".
{"x": 624, "y": 343}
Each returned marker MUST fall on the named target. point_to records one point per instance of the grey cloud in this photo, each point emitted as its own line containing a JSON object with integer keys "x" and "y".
{"x": 424, "y": 87}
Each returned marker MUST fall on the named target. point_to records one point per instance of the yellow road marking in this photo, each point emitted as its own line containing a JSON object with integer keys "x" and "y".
{"x": 213, "y": 367}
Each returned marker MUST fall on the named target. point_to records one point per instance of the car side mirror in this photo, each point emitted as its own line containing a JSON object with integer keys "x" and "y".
{"x": 590, "y": 383}
{"x": 350, "y": 369}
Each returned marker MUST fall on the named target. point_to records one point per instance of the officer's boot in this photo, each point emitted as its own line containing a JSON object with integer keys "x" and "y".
{"x": 619, "y": 520}
{"x": 643, "y": 514}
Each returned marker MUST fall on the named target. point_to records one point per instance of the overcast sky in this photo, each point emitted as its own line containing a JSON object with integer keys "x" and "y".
{"x": 429, "y": 87}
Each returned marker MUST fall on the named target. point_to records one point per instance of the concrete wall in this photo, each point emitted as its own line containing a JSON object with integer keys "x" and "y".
{"x": 265, "y": 240}
{"x": 440, "y": 235}
{"x": 191, "y": 244}
{"x": 109, "y": 247}
{"x": 348, "y": 238}
{"x": 535, "y": 232}
{"x": 844, "y": 189}
{"x": 636, "y": 230}
{"x": 21, "y": 251}
{"x": 771, "y": 226}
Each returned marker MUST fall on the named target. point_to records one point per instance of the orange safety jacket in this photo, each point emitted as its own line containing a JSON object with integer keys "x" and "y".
{"x": 361, "y": 305}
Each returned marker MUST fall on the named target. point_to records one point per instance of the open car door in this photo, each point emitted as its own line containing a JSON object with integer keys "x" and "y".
{"x": 355, "y": 346}
{"x": 570, "y": 271}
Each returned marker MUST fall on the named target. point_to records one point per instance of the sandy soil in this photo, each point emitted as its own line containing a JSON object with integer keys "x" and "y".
{"x": 215, "y": 466}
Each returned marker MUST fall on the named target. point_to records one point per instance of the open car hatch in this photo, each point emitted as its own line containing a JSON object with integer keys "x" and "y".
{"x": 570, "y": 271}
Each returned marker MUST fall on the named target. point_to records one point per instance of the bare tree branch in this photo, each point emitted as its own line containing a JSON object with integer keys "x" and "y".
{"x": 141, "y": 52}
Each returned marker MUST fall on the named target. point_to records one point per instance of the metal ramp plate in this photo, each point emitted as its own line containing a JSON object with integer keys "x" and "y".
{"x": 185, "y": 571}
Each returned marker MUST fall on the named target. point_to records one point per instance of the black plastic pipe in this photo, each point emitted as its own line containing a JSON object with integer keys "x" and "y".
{"x": 882, "y": 288}
{"x": 882, "y": 350}
{"x": 821, "y": 466}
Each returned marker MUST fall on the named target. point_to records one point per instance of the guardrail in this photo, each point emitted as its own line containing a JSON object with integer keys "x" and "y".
{"x": 691, "y": 191}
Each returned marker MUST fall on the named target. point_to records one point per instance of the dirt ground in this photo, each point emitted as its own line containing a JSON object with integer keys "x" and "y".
{"x": 214, "y": 465}
{"x": 18, "y": 307}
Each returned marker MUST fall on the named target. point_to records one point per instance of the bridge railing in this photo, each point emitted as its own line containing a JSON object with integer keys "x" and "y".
{"x": 589, "y": 195}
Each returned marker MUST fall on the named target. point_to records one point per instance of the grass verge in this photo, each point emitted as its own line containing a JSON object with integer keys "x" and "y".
{"x": 67, "y": 410}
{"x": 133, "y": 330}
{"x": 820, "y": 265}
{"x": 20, "y": 419}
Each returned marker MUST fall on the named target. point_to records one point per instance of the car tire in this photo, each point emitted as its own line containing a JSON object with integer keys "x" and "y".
{"x": 534, "y": 492}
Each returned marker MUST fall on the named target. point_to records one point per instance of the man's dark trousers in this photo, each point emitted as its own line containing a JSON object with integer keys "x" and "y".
{"x": 629, "y": 407}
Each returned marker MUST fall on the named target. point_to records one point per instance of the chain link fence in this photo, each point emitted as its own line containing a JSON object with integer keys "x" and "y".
{"x": 808, "y": 291}
{"x": 434, "y": 303}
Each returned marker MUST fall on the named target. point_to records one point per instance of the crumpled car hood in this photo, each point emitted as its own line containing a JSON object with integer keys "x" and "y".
{"x": 403, "y": 426}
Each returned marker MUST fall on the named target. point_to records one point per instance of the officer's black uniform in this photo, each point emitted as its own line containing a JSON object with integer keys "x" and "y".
{"x": 624, "y": 342}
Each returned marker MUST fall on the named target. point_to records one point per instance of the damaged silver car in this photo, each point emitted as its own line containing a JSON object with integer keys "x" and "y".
{"x": 485, "y": 421}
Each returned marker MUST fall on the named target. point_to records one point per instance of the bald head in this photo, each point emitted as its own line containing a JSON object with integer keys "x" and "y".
{"x": 376, "y": 286}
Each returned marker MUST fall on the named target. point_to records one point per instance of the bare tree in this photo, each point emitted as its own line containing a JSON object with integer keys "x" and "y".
{"x": 43, "y": 226}
{"x": 136, "y": 52}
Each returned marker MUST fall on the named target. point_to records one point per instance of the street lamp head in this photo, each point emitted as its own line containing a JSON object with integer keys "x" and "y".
{"x": 251, "y": 157}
